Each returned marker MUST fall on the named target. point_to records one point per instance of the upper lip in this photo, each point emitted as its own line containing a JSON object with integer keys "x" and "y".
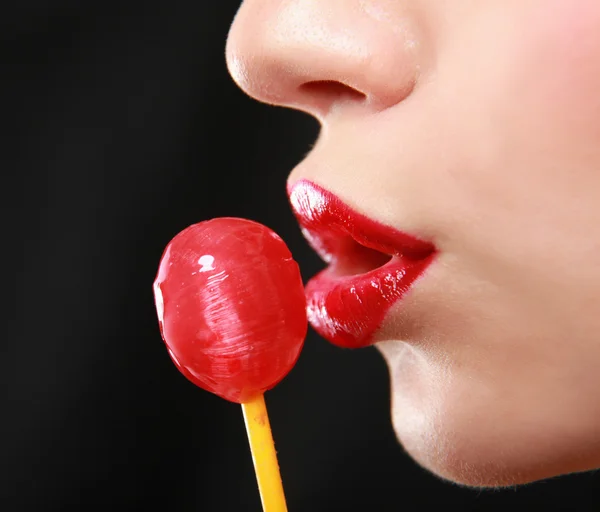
{"x": 350, "y": 242}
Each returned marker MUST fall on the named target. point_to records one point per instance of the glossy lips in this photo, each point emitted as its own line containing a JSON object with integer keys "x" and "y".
{"x": 371, "y": 266}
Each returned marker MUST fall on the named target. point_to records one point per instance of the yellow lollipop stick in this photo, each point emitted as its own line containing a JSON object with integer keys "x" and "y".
{"x": 264, "y": 455}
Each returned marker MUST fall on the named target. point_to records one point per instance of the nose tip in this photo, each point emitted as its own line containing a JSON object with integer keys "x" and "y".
{"x": 314, "y": 54}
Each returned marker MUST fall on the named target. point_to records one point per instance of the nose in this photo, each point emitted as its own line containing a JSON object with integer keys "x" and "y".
{"x": 313, "y": 55}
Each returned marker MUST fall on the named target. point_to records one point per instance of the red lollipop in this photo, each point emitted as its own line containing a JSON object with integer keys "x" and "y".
{"x": 232, "y": 312}
{"x": 231, "y": 307}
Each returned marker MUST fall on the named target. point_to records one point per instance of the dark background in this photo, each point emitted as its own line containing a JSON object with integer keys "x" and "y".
{"x": 120, "y": 127}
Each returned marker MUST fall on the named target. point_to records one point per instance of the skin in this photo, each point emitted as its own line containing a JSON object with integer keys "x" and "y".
{"x": 475, "y": 125}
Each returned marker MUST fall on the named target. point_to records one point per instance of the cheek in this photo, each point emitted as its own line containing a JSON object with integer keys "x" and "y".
{"x": 558, "y": 53}
{"x": 542, "y": 172}
{"x": 525, "y": 82}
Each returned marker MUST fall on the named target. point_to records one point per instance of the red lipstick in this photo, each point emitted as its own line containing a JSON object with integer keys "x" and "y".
{"x": 371, "y": 266}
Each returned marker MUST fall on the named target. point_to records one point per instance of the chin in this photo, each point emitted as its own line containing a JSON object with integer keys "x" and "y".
{"x": 457, "y": 459}
{"x": 469, "y": 433}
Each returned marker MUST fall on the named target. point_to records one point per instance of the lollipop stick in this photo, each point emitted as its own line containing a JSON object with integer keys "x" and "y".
{"x": 264, "y": 455}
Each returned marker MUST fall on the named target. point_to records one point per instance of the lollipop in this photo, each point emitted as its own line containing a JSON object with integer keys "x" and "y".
{"x": 232, "y": 313}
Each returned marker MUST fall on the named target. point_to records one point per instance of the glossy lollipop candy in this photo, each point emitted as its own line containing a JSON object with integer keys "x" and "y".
{"x": 232, "y": 312}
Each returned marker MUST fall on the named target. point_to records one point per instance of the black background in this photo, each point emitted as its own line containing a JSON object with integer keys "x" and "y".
{"x": 120, "y": 127}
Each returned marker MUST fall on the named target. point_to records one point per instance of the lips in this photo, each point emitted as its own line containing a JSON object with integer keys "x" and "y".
{"x": 371, "y": 266}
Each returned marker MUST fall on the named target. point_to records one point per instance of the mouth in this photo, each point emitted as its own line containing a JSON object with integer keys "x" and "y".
{"x": 371, "y": 266}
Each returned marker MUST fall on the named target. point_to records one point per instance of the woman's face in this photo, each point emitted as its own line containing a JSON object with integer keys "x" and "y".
{"x": 475, "y": 126}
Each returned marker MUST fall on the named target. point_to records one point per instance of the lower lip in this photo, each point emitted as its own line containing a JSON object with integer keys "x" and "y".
{"x": 348, "y": 310}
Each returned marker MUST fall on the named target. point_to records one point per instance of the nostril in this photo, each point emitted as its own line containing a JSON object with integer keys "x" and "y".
{"x": 330, "y": 90}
